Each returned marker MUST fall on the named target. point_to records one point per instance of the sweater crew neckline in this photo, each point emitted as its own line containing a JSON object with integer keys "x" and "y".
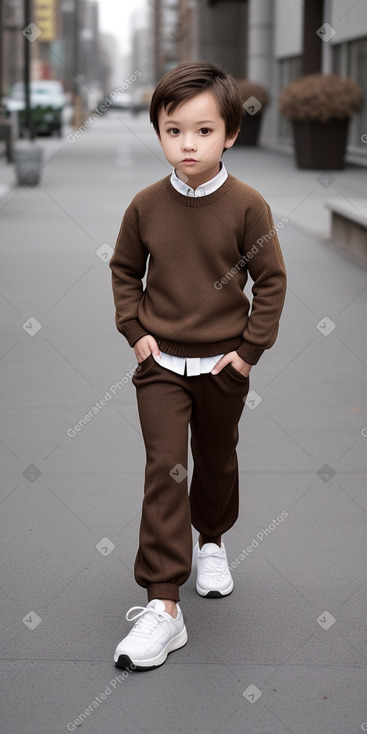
{"x": 195, "y": 201}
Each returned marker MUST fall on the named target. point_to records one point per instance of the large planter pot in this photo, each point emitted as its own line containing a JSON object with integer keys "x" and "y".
{"x": 250, "y": 130}
{"x": 320, "y": 145}
{"x": 28, "y": 163}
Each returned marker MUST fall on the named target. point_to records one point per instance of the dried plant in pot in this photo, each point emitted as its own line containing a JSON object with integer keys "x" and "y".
{"x": 254, "y": 98}
{"x": 320, "y": 107}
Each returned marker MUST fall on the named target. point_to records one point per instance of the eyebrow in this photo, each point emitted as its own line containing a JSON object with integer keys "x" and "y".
{"x": 200, "y": 122}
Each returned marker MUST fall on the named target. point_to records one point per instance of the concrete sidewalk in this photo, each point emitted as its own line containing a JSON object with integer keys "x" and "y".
{"x": 300, "y": 195}
{"x": 286, "y": 652}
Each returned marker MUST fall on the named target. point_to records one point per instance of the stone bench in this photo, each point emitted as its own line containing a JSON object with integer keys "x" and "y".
{"x": 349, "y": 227}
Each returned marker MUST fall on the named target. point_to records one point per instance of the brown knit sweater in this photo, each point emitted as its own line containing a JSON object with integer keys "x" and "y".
{"x": 201, "y": 250}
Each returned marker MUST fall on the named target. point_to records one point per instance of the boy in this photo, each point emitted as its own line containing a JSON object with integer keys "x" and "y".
{"x": 195, "y": 344}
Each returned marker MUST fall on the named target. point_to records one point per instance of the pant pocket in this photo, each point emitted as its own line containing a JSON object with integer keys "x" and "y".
{"x": 143, "y": 367}
{"x": 236, "y": 374}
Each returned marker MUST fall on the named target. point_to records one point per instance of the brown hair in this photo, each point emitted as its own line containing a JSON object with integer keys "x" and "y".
{"x": 189, "y": 79}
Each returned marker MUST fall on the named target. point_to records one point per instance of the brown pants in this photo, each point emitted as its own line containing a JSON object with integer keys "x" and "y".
{"x": 167, "y": 404}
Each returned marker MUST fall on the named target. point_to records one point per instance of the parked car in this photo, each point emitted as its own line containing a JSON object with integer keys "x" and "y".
{"x": 47, "y": 102}
{"x": 125, "y": 101}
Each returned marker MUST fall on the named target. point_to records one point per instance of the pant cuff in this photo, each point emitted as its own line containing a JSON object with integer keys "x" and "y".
{"x": 209, "y": 539}
{"x": 163, "y": 591}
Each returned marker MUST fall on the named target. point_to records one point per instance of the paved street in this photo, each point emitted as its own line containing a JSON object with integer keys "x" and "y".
{"x": 286, "y": 652}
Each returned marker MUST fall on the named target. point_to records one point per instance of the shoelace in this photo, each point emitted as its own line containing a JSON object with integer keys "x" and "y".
{"x": 215, "y": 561}
{"x": 147, "y": 620}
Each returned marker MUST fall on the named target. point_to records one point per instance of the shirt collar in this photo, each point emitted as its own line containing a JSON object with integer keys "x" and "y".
{"x": 206, "y": 188}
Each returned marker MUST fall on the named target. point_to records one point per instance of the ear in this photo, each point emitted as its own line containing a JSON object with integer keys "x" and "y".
{"x": 230, "y": 141}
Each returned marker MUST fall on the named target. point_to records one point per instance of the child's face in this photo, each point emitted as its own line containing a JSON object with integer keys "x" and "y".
{"x": 193, "y": 138}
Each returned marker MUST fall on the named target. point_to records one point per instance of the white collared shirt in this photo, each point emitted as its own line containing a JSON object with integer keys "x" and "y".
{"x": 206, "y": 188}
{"x": 194, "y": 365}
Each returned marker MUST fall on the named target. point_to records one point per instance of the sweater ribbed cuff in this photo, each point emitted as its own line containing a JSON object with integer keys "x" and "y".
{"x": 250, "y": 353}
{"x": 132, "y": 330}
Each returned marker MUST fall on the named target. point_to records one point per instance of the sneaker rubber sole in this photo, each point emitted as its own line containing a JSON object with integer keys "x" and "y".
{"x": 124, "y": 661}
{"x": 214, "y": 593}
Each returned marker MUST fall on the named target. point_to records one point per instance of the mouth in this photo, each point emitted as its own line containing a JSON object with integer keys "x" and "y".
{"x": 189, "y": 160}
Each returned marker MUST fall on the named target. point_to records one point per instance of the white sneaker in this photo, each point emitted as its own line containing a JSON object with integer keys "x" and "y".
{"x": 155, "y": 634}
{"x": 213, "y": 578}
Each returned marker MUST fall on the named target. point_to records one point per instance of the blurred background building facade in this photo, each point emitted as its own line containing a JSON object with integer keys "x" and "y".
{"x": 266, "y": 41}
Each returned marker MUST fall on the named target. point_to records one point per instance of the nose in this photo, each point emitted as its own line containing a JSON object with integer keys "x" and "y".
{"x": 188, "y": 143}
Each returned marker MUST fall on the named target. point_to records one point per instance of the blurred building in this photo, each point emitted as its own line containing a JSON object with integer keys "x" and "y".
{"x": 276, "y": 41}
{"x": 271, "y": 42}
{"x": 74, "y": 53}
{"x": 174, "y": 32}
{"x": 222, "y": 29}
{"x": 141, "y": 53}
{"x": 67, "y": 46}
{"x": 266, "y": 41}
{"x": 110, "y": 64}
{"x": 290, "y": 47}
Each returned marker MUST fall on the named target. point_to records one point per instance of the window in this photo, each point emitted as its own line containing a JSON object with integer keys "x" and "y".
{"x": 350, "y": 60}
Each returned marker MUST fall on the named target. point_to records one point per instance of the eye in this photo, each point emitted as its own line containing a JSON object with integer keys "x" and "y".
{"x": 205, "y": 130}
{"x": 173, "y": 130}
